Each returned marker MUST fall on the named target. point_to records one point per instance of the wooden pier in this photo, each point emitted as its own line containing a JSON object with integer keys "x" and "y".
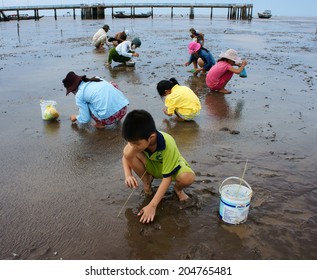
{"x": 97, "y": 11}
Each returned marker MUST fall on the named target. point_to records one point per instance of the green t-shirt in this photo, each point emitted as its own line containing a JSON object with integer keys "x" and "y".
{"x": 167, "y": 157}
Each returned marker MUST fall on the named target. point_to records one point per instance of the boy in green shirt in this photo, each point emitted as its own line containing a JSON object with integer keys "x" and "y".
{"x": 153, "y": 154}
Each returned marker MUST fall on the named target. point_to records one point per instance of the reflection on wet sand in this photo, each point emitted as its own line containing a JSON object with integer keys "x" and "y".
{"x": 51, "y": 127}
{"x": 219, "y": 108}
{"x": 185, "y": 133}
{"x": 197, "y": 84}
{"x": 127, "y": 73}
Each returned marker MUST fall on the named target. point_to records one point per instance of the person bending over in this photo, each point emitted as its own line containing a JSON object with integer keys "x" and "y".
{"x": 124, "y": 51}
{"x": 201, "y": 57}
{"x": 197, "y": 36}
{"x": 101, "y": 37}
{"x": 220, "y": 74}
{"x": 151, "y": 154}
{"x": 97, "y": 99}
{"x": 179, "y": 100}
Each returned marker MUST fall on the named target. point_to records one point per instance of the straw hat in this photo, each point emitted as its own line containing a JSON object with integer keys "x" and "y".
{"x": 232, "y": 55}
{"x": 193, "y": 47}
{"x": 72, "y": 81}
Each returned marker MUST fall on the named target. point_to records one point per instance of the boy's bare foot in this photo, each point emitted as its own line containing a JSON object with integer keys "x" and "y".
{"x": 148, "y": 190}
{"x": 182, "y": 196}
{"x": 147, "y": 182}
{"x": 189, "y": 202}
{"x": 224, "y": 91}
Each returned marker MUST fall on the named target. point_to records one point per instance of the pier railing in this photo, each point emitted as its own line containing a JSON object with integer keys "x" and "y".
{"x": 97, "y": 11}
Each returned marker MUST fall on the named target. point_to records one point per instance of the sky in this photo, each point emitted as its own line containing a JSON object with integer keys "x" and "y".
{"x": 278, "y": 7}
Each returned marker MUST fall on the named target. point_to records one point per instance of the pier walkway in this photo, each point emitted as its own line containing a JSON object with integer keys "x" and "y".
{"x": 97, "y": 11}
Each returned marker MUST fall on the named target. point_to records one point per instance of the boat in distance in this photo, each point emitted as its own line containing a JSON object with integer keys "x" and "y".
{"x": 22, "y": 17}
{"x": 122, "y": 14}
{"x": 265, "y": 14}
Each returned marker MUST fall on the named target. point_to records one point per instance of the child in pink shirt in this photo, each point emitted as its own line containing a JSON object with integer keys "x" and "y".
{"x": 221, "y": 73}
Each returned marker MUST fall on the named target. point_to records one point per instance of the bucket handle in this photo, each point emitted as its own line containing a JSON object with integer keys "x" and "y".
{"x": 237, "y": 178}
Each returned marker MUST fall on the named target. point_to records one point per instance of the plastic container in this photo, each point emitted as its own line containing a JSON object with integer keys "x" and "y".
{"x": 243, "y": 74}
{"x": 48, "y": 110}
{"x": 130, "y": 63}
{"x": 235, "y": 200}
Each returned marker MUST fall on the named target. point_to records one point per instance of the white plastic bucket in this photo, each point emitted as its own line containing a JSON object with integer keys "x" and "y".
{"x": 235, "y": 199}
{"x": 44, "y": 104}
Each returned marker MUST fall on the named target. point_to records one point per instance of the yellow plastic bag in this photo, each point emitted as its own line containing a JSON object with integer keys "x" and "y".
{"x": 49, "y": 111}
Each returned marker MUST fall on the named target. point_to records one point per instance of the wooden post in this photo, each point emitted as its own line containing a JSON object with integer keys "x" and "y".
{"x": 101, "y": 13}
{"x": 191, "y": 13}
{"x": 88, "y": 14}
{"x": 74, "y": 14}
{"x": 211, "y": 10}
{"x": 55, "y": 14}
{"x": 172, "y": 12}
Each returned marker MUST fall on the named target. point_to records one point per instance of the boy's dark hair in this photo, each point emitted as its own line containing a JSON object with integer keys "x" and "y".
{"x": 138, "y": 125}
{"x": 166, "y": 85}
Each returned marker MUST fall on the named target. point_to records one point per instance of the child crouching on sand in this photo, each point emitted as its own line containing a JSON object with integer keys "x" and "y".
{"x": 124, "y": 51}
{"x": 221, "y": 73}
{"x": 179, "y": 100}
{"x": 153, "y": 154}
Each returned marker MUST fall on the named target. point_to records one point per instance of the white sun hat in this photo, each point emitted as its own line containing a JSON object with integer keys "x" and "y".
{"x": 232, "y": 55}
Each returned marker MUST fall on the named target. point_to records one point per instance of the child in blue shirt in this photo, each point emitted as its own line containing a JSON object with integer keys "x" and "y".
{"x": 201, "y": 57}
{"x": 96, "y": 99}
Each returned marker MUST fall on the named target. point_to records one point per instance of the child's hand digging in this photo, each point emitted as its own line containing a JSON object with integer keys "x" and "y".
{"x": 131, "y": 182}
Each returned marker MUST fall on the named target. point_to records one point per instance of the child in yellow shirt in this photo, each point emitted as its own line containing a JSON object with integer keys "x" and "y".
{"x": 179, "y": 100}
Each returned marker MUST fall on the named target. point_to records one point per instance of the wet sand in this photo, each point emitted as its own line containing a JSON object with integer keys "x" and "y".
{"x": 62, "y": 185}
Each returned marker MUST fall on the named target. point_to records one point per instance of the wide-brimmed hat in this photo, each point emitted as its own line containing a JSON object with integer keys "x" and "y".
{"x": 193, "y": 47}
{"x": 72, "y": 81}
{"x": 232, "y": 55}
